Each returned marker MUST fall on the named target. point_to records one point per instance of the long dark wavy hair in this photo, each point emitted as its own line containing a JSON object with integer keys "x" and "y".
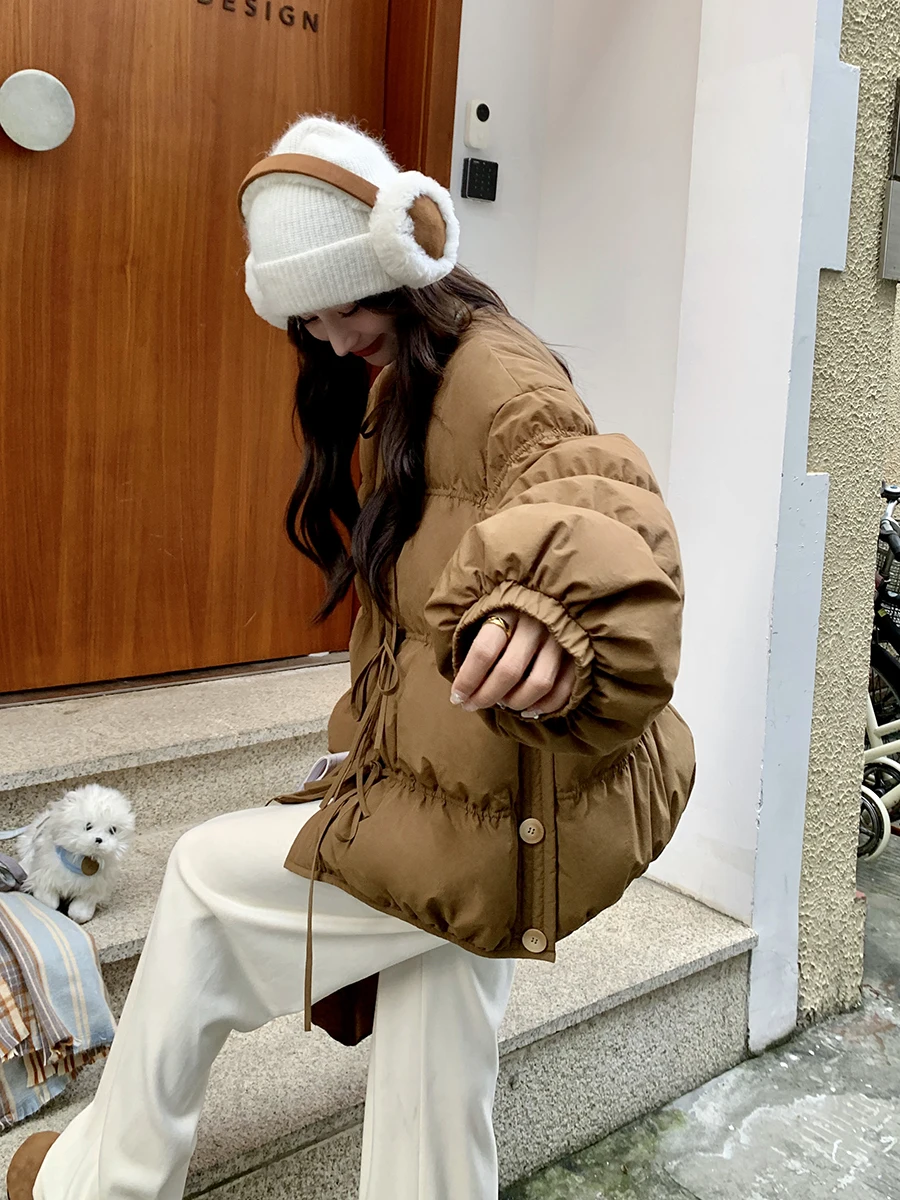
{"x": 329, "y": 406}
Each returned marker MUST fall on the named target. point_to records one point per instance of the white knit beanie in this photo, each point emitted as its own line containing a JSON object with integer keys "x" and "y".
{"x": 314, "y": 246}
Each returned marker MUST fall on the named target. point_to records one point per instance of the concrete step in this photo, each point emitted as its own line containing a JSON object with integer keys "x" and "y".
{"x": 644, "y": 1004}
{"x": 180, "y": 753}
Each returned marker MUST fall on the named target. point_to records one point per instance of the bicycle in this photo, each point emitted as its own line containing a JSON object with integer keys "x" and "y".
{"x": 880, "y": 789}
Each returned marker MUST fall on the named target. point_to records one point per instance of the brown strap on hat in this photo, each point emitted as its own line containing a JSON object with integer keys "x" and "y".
{"x": 312, "y": 168}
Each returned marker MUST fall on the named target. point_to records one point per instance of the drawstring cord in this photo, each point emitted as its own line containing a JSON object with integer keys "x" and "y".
{"x": 378, "y": 679}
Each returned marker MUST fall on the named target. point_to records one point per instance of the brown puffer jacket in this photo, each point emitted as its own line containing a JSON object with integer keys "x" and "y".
{"x": 498, "y": 833}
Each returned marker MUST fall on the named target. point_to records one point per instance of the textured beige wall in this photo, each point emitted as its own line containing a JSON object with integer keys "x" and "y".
{"x": 855, "y": 422}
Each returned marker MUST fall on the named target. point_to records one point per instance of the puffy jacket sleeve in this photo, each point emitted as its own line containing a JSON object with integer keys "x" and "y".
{"x": 575, "y": 534}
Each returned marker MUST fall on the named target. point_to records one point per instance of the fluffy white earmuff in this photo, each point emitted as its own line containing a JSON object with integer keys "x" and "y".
{"x": 256, "y": 297}
{"x": 414, "y": 230}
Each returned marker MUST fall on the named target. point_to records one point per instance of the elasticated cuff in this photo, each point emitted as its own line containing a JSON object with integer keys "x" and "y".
{"x": 564, "y": 629}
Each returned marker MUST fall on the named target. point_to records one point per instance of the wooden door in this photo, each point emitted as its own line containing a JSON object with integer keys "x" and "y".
{"x": 146, "y": 451}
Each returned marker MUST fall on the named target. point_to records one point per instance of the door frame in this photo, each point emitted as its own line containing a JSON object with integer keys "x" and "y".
{"x": 420, "y": 83}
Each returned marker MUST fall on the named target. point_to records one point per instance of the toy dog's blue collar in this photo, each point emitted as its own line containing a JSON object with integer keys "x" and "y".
{"x": 76, "y": 863}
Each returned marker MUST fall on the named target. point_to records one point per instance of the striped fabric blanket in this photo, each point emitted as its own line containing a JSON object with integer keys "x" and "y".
{"x": 54, "y": 1015}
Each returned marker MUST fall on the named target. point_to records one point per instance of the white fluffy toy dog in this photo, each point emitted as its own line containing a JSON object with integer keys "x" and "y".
{"x": 73, "y": 850}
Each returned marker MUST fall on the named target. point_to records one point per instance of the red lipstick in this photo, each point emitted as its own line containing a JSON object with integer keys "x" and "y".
{"x": 373, "y": 348}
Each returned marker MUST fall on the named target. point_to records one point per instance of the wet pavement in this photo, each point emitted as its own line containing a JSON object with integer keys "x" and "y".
{"x": 816, "y": 1117}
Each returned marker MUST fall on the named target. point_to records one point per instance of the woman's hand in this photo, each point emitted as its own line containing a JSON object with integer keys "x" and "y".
{"x": 500, "y": 671}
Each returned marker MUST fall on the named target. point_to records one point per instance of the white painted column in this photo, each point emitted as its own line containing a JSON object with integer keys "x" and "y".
{"x": 752, "y": 544}
{"x": 732, "y": 380}
{"x": 801, "y": 546}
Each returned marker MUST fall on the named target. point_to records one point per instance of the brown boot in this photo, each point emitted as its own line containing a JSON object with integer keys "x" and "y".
{"x": 25, "y": 1164}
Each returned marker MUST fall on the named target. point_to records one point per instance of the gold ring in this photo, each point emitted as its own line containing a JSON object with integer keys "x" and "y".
{"x": 496, "y": 619}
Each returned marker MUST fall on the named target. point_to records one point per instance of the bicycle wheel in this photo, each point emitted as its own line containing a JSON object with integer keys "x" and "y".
{"x": 874, "y": 825}
{"x": 884, "y": 684}
{"x": 882, "y": 776}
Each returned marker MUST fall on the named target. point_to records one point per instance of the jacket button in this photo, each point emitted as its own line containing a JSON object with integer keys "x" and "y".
{"x": 534, "y": 941}
{"x": 531, "y": 831}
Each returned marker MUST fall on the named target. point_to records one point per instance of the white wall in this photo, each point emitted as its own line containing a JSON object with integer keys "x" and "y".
{"x": 503, "y": 60}
{"x": 734, "y": 367}
{"x": 614, "y": 213}
{"x": 592, "y": 104}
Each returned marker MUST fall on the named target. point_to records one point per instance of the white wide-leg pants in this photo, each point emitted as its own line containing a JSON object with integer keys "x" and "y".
{"x": 225, "y": 952}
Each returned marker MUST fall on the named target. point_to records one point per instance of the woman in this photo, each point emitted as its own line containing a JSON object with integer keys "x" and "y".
{"x": 511, "y": 759}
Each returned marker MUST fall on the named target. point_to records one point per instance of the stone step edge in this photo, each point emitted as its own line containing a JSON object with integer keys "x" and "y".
{"x": 557, "y": 1024}
{"x": 120, "y": 937}
{"x": 576, "y": 1016}
{"x": 209, "y": 1177}
{"x": 588, "y": 962}
{"x": 228, "y": 1172}
{"x": 74, "y": 738}
{"x": 119, "y": 931}
{"x": 331, "y": 1126}
{"x": 91, "y": 767}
